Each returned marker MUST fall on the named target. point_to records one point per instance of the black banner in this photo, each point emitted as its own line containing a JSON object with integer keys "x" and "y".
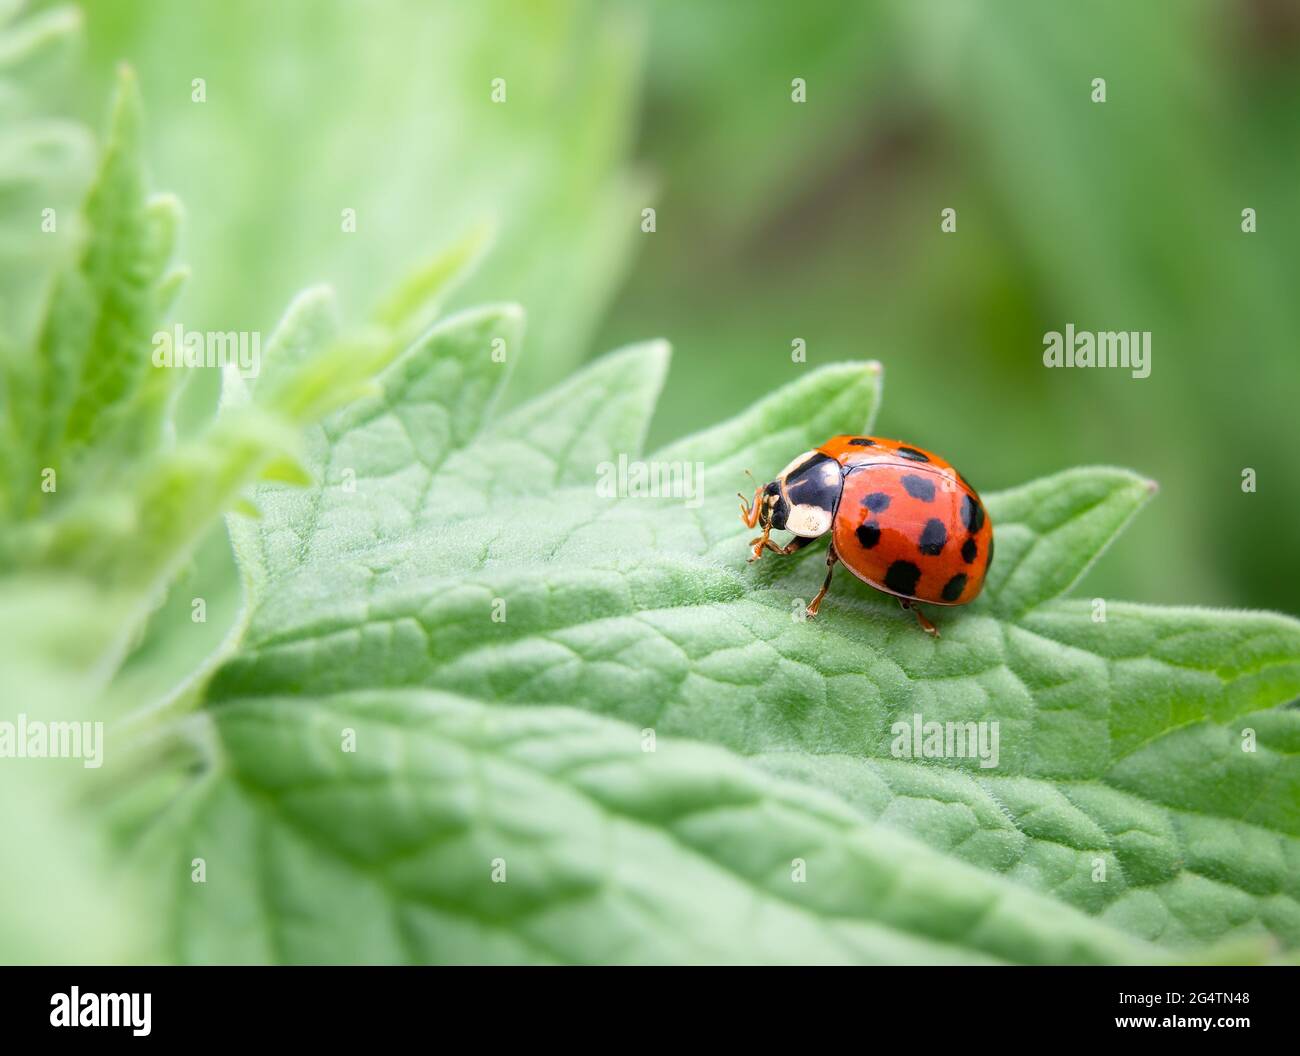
{"x": 342, "y": 1004}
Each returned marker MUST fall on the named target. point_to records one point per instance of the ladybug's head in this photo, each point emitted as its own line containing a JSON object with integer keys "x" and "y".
{"x": 803, "y": 497}
{"x": 774, "y": 509}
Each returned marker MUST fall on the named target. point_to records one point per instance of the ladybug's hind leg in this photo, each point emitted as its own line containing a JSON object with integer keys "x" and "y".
{"x": 831, "y": 558}
{"x": 921, "y": 618}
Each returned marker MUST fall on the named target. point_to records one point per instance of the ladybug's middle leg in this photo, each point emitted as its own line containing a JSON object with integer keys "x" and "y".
{"x": 831, "y": 558}
{"x": 921, "y": 618}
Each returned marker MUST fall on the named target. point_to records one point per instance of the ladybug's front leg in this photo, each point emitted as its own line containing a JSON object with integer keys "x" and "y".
{"x": 831, "y": 558}
{"x": 749, "y": 511}
{"x": 764, "y": 543}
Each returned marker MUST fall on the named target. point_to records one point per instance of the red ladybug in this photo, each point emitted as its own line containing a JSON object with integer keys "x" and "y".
{"x": 901, "y": 518}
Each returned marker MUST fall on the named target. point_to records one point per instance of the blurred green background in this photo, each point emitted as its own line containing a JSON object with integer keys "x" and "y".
{"x": 778, "y": 220}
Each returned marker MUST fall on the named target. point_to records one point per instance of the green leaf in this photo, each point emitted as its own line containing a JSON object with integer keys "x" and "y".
{"x": 374, "y": 463}
{"x": 98, "y": 388}
{"x": 601, "y": 851}
{"x": 479, "y": 568}
{"x": 87, "y": 408}
{"x": 588, "y": 420}
{"x": 64, "y": 900}
{"x": 85, "y": 564}
{"x": 1055, "y": 528}
{"x": 103, "y": 507}
{"x": 409, "y": 306}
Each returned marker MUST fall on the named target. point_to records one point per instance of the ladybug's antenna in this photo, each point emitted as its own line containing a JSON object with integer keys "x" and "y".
{"x": 752, "y": 481}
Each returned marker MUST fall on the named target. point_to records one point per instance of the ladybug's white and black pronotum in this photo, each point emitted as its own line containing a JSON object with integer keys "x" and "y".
{"x": 900, "y": 518}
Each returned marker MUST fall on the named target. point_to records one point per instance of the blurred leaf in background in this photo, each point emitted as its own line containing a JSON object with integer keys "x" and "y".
{"x": 59, "y": 904}
{"x": 387, "y": 109}
{"x": 103, "y": 503}
{"x": 45, "y": 160}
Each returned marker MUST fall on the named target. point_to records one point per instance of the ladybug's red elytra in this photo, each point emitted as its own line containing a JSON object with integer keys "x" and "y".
{"x": 900, "y": 518}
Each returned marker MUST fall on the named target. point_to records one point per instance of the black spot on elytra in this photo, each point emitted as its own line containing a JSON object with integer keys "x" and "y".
{"x": 862, "y": 441}
{"x": 918, "y": 487}
{"x": 969, "y": 551}
{"x": 972, "y": 513}
{"x": 902, "y": 577}
{"x": 933, "y": 536}
{"x": 876, "y": 501}
{"x": 953, "y": 588}
{"x": 914, "y": 454}
{"x": 868, "y": 535}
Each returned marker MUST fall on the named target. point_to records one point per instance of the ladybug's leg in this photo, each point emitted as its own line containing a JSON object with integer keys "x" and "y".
{"x": 831, "y": 558}
{"x": 748, "y": 510}
{"x": 926, "y": 625}
{"x": 764, "y": 543}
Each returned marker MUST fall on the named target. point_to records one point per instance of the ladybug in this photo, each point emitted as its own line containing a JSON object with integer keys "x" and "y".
{"x": 899, "y": 517}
